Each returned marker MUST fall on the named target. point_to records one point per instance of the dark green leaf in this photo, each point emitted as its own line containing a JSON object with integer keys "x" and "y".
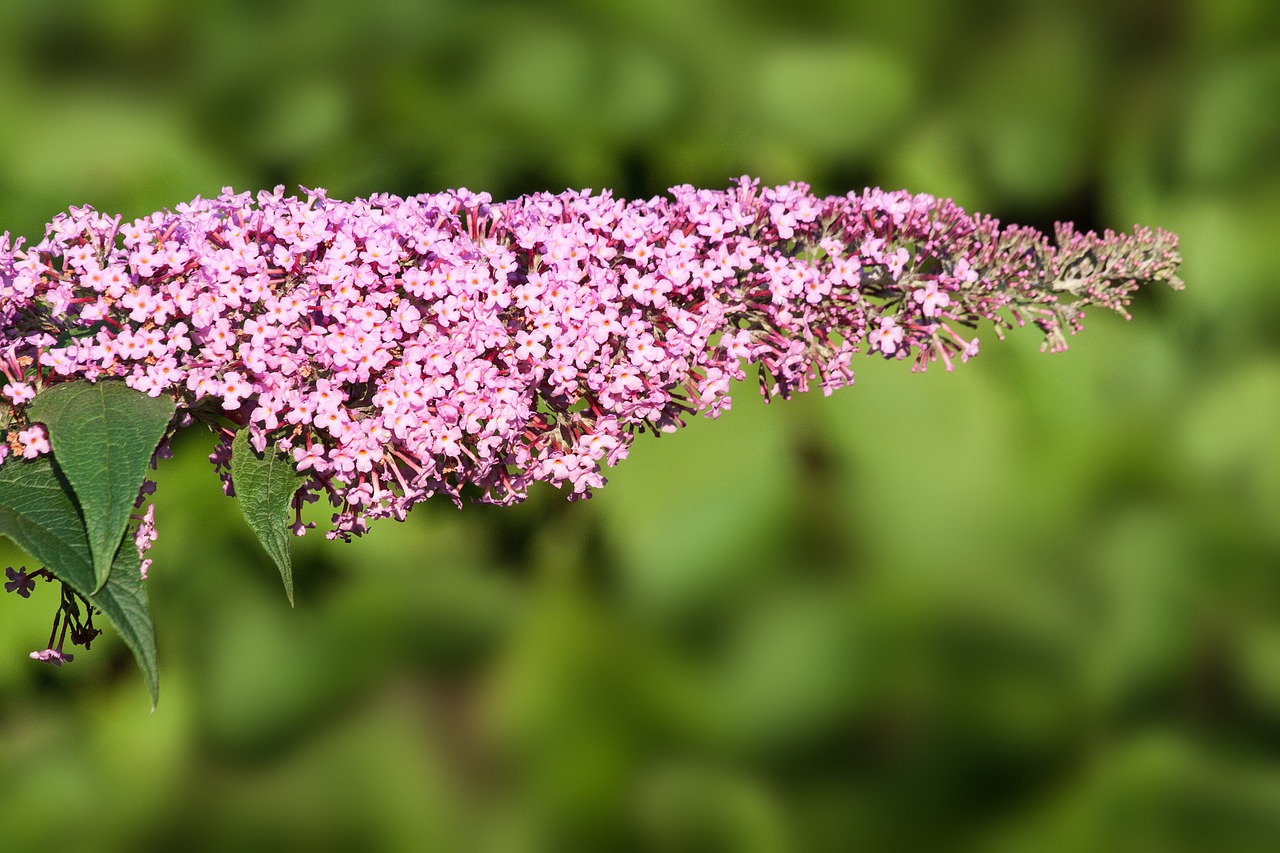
{"x": 265, "y": 485}
{"x": 103, "y": 435}
{"x": 38, "y": 511}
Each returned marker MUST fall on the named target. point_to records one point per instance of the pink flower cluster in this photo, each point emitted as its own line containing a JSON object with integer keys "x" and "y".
{"x": 399, "y": 348}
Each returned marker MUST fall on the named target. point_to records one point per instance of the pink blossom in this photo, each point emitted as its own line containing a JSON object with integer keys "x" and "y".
{"x": 887, "y": 337}
{"x": 399, "y": 348}
{"x": 930, "y": 299}
{"x": 144, "y": 535}
{"x": 57, "y": 657}
{"x": 34, "y": 441}
{"x": 19, "y": 392}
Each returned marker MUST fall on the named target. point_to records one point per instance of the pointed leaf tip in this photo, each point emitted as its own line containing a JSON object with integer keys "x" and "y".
{"x": 38, "y": 511}
{"x": 265, "y": 485}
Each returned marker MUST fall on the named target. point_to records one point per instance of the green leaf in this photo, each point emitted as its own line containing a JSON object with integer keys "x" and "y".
{"x": 38, "y": 511}
{"x": 103, "y": 435}
{"x": 265, "y": 485}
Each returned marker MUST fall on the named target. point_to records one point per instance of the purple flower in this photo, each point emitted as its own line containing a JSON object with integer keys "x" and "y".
{"x": 19, "y": 581}
{"x": 404, "y": 347}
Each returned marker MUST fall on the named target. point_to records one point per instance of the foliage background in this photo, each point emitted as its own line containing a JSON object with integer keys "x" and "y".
{"x": 1029, "y": 605}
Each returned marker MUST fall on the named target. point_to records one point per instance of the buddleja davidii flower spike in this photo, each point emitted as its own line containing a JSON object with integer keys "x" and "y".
{"x": 399, "y": 348}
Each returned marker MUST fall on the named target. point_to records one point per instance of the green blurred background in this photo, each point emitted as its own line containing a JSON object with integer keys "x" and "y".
{"x": 1031, "y": 605}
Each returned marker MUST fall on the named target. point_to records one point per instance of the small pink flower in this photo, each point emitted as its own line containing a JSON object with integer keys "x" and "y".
{"x": 34, "y": 441}
{"x": 887, "y": 338}
{"x": 53, "y": 656}
{"x": 897, "y": 262}
{"x": 234, "y": 388}
{"x": 930, "y": 299}
{"x": 19, "y": 392}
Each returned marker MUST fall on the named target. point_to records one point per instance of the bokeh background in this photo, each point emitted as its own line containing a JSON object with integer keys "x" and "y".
{"x": 1031, "y": 605}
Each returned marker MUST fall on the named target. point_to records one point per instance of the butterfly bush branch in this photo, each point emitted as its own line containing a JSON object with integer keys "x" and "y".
{"x": 399, "y": 348}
